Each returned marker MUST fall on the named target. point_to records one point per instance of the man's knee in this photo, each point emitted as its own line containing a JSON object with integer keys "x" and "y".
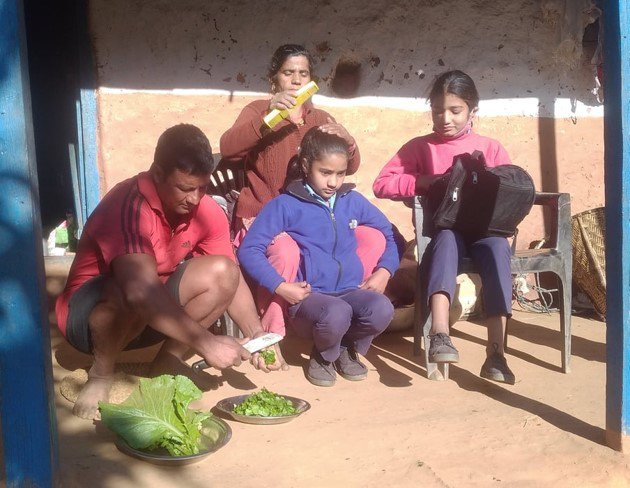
{"x": 210, "y": 273}
{"x": 106, "y": 325}
{"x": 106, "y": 313}
{"x": 225, "y": 269}
{"x": 112, "y": 304}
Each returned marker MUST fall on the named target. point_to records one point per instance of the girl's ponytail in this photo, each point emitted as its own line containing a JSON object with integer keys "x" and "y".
{"x": 294, "y": 171}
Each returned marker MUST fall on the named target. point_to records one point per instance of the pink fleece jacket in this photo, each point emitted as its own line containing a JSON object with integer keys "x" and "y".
{"x": 431, "y": 155}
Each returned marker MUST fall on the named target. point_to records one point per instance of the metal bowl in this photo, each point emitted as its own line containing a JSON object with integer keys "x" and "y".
{"x": 227, "y": 406}
{"x": 215, "y": 433}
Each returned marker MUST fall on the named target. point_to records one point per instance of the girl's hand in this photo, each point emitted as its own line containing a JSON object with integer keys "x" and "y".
{"x": 284, "y": 100}
{"x": 423, "y": 182}
{"x": 293, "y": 292}
{"x": 377, "y": 281}
{"x": 280, "y": 364}
{"x": 333, "y": 127}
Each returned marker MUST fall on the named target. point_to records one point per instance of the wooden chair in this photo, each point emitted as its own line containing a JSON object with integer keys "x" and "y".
{"x": 556, "y": 259}
{"x": 226, "y": 182}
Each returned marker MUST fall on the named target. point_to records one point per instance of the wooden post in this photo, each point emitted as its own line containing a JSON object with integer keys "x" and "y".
{"x": 617, "y": 180}
{"x": 27, "y": 413}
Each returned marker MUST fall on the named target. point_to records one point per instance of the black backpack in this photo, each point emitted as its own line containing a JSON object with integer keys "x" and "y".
{"x": 478, "y": 201}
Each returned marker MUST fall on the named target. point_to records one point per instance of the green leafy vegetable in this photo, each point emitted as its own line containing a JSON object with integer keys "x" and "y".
{"x": 269, "y": 356}
{"x": 265, "y": 404}
{"x": 156, "y": 415}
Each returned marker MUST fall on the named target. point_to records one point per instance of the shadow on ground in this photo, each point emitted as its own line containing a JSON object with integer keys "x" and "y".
{"x": 562, "y": 420}
{"x": 397, "y": 348}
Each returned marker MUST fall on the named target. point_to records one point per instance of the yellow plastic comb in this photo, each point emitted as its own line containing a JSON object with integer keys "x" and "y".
{"x": 302, "y": 95}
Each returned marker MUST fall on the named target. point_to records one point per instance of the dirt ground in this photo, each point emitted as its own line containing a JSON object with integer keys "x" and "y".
{"x": 394, "y": 429}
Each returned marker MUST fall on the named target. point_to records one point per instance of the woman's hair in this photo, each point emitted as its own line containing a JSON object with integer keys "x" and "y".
{"x": 315, "y": 145}
{"x": 184, "y": 147}
{"x": 283, "y": 53}
{"x": 456, "y": 83}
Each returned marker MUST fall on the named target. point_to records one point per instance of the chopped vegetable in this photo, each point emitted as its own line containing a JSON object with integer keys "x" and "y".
{"x": 156, "y": 415}
{"x": 269, "y": 356}
{"x": 265, "y": 404}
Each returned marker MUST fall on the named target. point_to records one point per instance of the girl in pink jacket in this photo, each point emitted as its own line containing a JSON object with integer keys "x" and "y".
{"x": 454, "y": 101}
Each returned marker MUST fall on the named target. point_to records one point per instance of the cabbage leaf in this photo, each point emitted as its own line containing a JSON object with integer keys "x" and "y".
{"x": 156, "y": 415}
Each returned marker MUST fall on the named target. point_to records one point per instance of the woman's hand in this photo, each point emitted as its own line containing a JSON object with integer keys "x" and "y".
{"x": 293, "y": 292}
{"x": 377, "y": 281}
{"x": 333, "y": 127}
{"x": 284, "y": 100}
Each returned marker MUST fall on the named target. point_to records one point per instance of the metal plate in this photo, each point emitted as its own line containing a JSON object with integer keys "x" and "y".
{"x": 227, "y": 405}
{"x": 210, "y": 442}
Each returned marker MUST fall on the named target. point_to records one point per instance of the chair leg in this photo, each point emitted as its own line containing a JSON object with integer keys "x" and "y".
{"x": 419, "y": 317}
{"x": 564, "y": 277}
{"x": 230, "y": 327}
{"x": 505, "y": 337}
{"x": 422, "y": 327}
{"x": 435, "y": 371}
{"x": 417, "y": 336}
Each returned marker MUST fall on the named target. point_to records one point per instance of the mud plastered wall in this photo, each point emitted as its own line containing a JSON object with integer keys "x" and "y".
{"x": 164, "y": 62}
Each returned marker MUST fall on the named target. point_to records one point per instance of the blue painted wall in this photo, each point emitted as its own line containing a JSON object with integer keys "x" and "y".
{"x": 27, "y": 412}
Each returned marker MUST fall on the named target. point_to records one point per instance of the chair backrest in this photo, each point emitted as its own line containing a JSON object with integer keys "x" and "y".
{"x": 227, "y": 177}
{"x": 226, "y": 182}
{"x": 559, "y": 205}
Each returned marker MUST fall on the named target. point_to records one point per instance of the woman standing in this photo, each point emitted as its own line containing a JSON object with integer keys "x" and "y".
{"x": 267, "y": 152}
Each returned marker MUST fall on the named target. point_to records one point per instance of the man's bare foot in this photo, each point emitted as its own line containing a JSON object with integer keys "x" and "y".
{"x": 95, "y": 390}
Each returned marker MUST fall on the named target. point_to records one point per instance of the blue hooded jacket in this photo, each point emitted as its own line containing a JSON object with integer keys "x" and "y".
{"x": 326, "y": 239}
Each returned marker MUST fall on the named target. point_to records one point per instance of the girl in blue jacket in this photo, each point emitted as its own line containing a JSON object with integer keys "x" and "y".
{"x": 330, "y": 302}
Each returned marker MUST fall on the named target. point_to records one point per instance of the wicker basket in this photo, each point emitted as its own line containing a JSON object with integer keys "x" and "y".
{"x": 589, "y": 255}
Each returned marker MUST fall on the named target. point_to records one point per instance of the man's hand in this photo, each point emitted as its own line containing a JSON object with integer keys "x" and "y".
{"x": 293, "y": 292}
{"x": 333, "y": 127}
{"x": 280, "y": 364}
{"x": 224, "y": 352}
{"x": 377, "y": 281}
